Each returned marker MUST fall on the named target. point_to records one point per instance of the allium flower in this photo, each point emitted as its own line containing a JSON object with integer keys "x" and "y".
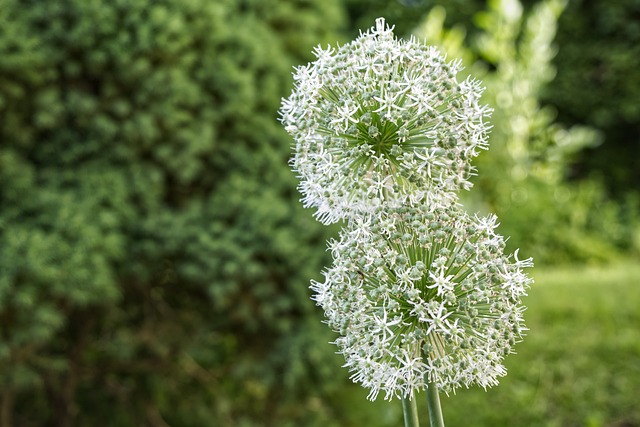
{"x": 423, "y": 295}
{"x": 382, "y": 121}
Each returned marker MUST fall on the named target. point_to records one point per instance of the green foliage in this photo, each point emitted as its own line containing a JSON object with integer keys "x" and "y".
{"x": 598, "y": 83}
{"x": 523, "y": 175}
{"x": 405, "y": 15}
{"x": 153, "y": 253}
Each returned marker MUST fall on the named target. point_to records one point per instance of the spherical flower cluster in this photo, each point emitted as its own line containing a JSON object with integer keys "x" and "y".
{"x": 382, "y": 121}
{"x": 420, "y": 292}
{"x": 423, "y": 295}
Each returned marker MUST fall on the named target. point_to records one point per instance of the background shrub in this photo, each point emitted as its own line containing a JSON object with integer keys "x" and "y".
{"x": 148, "y": 214}
{"x": 598, "y": 82}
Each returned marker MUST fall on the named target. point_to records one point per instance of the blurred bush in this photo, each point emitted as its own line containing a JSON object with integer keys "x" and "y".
{"x": 522, "y": 177}
{"x": 598, "y": 82}
{"x": 405, "y": 15}
{"x": 154, "y": 257}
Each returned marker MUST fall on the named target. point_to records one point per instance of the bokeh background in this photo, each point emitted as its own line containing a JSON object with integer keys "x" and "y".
{"x": 154, "y": 257}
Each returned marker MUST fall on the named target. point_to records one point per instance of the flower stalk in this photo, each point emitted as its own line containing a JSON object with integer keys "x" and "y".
{"x": 410, "y": 410}
{"x": 433, "y": 403}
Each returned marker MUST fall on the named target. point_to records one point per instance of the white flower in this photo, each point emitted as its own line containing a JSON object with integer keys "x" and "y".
{"x": 423, "y": 294}
{"x": 382, "y": 121}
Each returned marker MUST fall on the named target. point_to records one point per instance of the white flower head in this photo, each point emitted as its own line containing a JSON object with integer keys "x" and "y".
{"x": 423, "y": 295}
{"x": 382, "y": 121}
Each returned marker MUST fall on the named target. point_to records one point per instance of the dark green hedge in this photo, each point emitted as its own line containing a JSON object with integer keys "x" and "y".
{"x": 154, "y": 257}
{"x": 598, "y": 83}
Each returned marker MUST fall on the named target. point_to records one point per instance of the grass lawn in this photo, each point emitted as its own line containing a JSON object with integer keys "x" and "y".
{"x": 578, "y": 366}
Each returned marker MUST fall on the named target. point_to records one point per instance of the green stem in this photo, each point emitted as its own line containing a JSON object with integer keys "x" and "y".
{"x": 433, "y": 402}
{"x": 410, "y": 410}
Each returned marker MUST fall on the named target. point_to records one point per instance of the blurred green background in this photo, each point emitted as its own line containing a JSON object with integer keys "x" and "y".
{"x": 154, "y": 257}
